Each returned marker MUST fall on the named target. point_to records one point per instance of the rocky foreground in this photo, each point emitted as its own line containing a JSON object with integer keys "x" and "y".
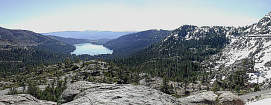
{"x": 88, "y": 93}
{"x": 23, "y": 99}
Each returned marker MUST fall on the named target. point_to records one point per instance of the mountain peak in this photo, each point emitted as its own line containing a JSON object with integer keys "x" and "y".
{"x": 266, "y": 19}
{"x": 263, "y": 26}
{"x": 268, "y": 15}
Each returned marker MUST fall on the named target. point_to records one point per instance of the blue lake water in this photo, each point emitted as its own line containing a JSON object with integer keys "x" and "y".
{"x": 91, "y": 49}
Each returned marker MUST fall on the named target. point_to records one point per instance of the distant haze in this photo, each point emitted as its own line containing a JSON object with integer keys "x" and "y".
{"x": 92, "y": 35}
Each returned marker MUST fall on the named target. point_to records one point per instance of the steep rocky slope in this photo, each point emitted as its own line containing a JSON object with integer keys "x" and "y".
{"x": 252, "y": 46}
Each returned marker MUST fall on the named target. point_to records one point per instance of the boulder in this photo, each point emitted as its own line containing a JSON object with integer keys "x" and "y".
{"x": 204, "y": 98}
{"x": 211, "y": 98}
{"x": 23, "y": 99}
{"x": 228, "y": 98}
{"x": 87, "y": 93}
{"x": 74, "y": 89}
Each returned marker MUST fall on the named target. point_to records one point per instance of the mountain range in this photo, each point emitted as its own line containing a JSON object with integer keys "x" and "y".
{"x": 187, "y": 60}
{"x": 24, "y": 38}
{"x": 72, "y": 41}
{"x": 92, "y": 35}
{"x": 218, "y": 49}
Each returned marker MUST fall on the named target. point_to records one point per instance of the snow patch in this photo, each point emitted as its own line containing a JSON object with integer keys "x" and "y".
{"x": 266, "y": 101}
{"x": 255, "y": 48}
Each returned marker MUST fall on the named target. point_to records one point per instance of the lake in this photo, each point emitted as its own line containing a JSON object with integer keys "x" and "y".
{"x": 90, "y": 49}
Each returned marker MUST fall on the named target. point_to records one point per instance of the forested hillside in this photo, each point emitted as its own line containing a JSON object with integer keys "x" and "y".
{"x": 131, "y": 43}
{"x": 179, "y": 56}
{"x": 20, "y": 48}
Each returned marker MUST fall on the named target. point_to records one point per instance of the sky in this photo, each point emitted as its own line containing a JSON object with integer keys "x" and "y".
{"x": 127, "y": 15}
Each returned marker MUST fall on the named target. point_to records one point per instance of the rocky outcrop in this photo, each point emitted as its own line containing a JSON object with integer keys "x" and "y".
{"x": 211, "y": 98}
{"x": 202, "y": 99}
{"x": 20, "y": 89}
{"x": 87, "y": 93}
{"x": 23, "y": 99}
{"x": 75, "y": 88}
{"x": 177, "y": 87}
{"x": 227, "y": 98}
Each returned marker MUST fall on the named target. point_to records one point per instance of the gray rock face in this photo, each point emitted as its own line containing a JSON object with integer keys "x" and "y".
{"x": 211, "y": 98}
{"x": 22, "y": 99}
{"x": 87, "y": 93}
{"x": 228, "y": 96}
{"x": 202, "y": 98}
{"x": 75, "y": 88}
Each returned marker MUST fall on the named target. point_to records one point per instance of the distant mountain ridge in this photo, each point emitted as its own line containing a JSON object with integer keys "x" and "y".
{"x": 92, "y": 35}
{"x": 25, "y": 38}
{"x": 71, "y": 41}
{"x": 21, "y": 38}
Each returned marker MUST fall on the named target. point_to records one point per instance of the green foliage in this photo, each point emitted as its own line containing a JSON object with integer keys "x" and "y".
{"x": 257, "y": 87}
{"x": 34, "y": 90}
{"x": 237, "y": 81}
{"x": 13, "y": 91}
{"x": 51, "y": 93}
{"x": 215, "y": 88}
{"x": 166, "y": 88}
{"x": 16, "y": 59}
{"x": 21, "y": 60}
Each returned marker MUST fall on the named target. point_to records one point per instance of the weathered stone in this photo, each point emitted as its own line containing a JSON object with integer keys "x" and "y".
{"x": 228, "y": 98}
{"x": 23, "y": 99}
{"x": 116, "y": 94}
{"x": 76, "y": 88}
{"x": 207, "y": 98}
{"x": 211, "y": 98}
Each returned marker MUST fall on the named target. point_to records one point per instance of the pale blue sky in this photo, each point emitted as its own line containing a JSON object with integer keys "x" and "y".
{"x": 127, "y": 15}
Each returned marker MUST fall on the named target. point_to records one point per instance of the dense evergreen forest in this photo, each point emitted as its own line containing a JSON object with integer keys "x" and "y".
{"x": 21, "y": 49}
{"x": 176, "y": 60}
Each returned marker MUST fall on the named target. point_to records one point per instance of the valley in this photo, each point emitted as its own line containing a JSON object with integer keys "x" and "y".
{"x": 188, "y": 65}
